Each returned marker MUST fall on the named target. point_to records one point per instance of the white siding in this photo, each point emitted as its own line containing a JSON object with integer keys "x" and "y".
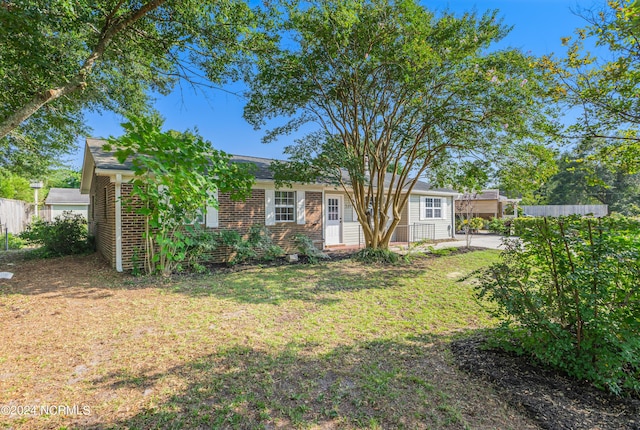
{"x": 442, "y": 225}
{"x": 58, "y": 210}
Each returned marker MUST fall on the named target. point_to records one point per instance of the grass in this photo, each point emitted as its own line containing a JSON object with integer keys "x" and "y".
{"x": 336, "y": 345}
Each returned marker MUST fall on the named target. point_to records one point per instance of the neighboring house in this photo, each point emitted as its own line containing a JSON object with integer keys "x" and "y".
{"x": 485, "y": 204}
{"x": 322, "y": 212}
{"x": 61, "y": 200}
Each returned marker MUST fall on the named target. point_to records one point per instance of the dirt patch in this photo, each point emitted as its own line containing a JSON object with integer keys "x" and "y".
{"x": 551, "y": 398}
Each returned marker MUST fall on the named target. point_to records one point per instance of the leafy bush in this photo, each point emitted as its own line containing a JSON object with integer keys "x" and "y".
{"x": 257, "y": 246}
{"x": 499, "y": 226}
{"x": 568, "y": 294}
{"x": 66, "y": 235}
{"x": 376, "y": 255}
{"x": 474, "y": 224}
{"x": 305, "y": 247}
{"x": 15, "y": 242}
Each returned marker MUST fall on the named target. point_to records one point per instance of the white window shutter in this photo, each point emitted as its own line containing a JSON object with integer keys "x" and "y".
{"x": 423, "y": 207}
{"x": 269, "y": 207}
{"x": 211, "y": 217}
{"x": 300, "y": 209}
{"x": 444, "y": 207}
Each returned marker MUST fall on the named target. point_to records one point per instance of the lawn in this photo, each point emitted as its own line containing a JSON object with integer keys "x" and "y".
{"x": 336, "y": 345}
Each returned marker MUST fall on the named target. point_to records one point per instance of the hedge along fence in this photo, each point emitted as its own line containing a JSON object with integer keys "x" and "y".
{"x": 569, "y": 294}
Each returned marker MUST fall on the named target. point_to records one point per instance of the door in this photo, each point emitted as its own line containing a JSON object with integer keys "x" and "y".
{"x": 333, "y": 230}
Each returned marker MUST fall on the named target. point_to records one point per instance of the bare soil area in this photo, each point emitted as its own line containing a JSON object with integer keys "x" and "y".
{"x": 551, "y": 398}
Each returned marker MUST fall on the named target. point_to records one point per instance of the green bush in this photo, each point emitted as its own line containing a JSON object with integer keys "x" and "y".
{"x": 371, "y": 255}
{"x": 474, "y": 224}
{"x": 305, "y": 247}
{"x": 15, "y": 242}
{"x": 568, "y": 294}
{"x": 66, "y": 235}
{"x": 499, "y": 225}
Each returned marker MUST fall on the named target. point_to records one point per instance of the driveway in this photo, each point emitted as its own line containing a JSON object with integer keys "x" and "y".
{"x": 480, "y": 240}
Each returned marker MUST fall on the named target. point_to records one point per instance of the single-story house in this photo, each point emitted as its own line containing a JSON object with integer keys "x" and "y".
{"x": 320, "y": 211}
{"x": 61, "y": 200}
{"x": 485, "y": 204}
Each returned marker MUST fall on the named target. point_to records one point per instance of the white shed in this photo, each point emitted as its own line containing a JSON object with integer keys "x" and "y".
{"x": 60, "y": 200}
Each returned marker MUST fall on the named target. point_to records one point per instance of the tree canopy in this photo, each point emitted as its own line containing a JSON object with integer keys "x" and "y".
{"x": 394, "y": 91}
{"x": 604, "y": 85}
{"x": 59, "y": 58}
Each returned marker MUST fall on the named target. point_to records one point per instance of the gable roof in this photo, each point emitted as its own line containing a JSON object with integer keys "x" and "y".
{"x": 66, "y": 196}
{"x": 96, "y": 158}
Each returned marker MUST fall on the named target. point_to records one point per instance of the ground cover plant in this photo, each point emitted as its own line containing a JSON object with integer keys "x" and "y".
{"x": 335, "y": 345}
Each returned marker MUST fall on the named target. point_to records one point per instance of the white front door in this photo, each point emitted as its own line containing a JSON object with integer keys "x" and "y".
{"x": 333, "y": 229}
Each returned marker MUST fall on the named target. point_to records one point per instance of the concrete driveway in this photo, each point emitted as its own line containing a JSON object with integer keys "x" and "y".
{"x": 479, "y": 240}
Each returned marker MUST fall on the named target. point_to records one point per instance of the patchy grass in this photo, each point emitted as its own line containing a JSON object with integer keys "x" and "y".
{"x": 337, "y": 345}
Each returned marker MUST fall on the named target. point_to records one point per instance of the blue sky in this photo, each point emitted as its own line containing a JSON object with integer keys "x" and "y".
{"x": 538, "y": 26}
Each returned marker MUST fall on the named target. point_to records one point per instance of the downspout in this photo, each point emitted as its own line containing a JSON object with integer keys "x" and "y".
{"x": 119, "y": 222}
{"x": 453, "y": 217}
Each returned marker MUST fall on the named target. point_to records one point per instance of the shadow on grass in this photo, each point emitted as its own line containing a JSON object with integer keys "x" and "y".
{"x": 313, "y": 283}
{"x": 385, "y": 384}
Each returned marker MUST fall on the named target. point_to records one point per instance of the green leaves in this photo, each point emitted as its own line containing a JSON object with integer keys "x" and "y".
{"x": 176, "y": 178}
{"x": 567, "y": 290}
{"x": 390, "y": 84}
{"x": 61, "y": 58}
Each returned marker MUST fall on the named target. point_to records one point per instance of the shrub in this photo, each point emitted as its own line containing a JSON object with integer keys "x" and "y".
{"x": 305, "y": 247}
{"x": 15, "y": 242}
{"x": 66, "y": 235}
{"x": 474, "y": 224}
{"x": 499, "y": 226}
{"x": 376, "y": 255}
{"x": 568, "y": 294}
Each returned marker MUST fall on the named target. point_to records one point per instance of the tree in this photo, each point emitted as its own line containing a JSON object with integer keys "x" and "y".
{"x": 13, "y": 186}
{"x": 59, "y": 58}
{"x": 393, "y": 89}
{"x": 177, "y": 176}
{"x": 604, "y": 88}
{"x": 581, "y": 180}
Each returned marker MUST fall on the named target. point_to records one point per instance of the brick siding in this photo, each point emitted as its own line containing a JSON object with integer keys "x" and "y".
{"x": 102, "y": 221}
{"x": 232, "y": 215}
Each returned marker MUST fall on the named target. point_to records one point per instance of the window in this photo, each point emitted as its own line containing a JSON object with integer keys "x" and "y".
{"x": 285, "y": 206}
{"x": 432, "y": 207}
{"x": 198, "y": 216}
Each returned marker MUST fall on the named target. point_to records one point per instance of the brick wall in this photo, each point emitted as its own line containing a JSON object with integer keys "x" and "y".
{"x": 235, "y": 215}
{"x": 241, "y": 215}
{"x": 133, "y": 225}
{"x": 102, "y": 217}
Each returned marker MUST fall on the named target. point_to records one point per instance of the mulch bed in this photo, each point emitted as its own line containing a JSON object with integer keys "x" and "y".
{"x": 551, "y": 398}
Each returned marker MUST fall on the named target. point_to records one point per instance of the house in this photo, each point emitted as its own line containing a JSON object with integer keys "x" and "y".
{"x": 61, "y": 200}
{"x": 321, "y": 212}
{"x": 485, "y": 204}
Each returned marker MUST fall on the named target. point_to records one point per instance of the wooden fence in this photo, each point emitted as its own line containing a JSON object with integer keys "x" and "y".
{"x": 14, "y": 215}
{"x": 564, "y": 210}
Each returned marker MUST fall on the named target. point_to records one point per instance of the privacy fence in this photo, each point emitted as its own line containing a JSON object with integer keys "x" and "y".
{"x": 14, "y": 215}
{"x": 565, "y": 210}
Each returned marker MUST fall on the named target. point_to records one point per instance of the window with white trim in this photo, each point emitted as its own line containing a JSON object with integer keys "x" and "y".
{"x": 432, "y": 207}
{"x": 285, "y": 206}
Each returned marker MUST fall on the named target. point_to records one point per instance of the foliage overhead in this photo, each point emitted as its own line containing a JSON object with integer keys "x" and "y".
{"x": 176, "y": 178}
{"x": 61, "y": 58}
{"x": 604, "y": 88}
{"x": 391, "y": 88}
